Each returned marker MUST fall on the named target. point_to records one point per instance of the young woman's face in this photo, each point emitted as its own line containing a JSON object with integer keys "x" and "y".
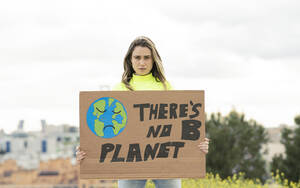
{"x": 141, "y": 60}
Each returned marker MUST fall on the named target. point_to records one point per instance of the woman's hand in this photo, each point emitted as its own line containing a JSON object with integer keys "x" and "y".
{"x": 80, "y": 155}
{"x": 204, "y": 146}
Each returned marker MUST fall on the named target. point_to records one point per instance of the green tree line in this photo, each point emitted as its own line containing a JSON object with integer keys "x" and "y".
{"x": 236, "y": 145}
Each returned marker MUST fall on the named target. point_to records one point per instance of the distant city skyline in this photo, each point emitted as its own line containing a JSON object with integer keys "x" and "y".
{"x": 244, "y": 54}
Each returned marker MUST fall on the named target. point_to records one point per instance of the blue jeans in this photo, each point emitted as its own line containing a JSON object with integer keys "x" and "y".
{"x": 163, "y": 183}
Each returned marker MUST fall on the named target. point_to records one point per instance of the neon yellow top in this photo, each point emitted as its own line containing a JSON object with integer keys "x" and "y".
{"x": 146, "y": 82}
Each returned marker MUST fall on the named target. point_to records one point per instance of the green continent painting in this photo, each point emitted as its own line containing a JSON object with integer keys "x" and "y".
{"x": 106, "y": 117}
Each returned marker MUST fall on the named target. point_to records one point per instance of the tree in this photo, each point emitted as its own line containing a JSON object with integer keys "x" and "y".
{"x": 290, "y": 163}
{"x": 235, "y": 146}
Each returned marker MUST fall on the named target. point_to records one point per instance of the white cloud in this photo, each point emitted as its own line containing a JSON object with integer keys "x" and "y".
{"x": 243, "y": 53}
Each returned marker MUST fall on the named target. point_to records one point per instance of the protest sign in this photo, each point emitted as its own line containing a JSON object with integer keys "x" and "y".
{"x": 142, "y": 134}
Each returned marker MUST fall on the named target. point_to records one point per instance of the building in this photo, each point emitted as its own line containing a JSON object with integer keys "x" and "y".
{"x": 29, "y": 148}
{"x": 45, "y": 157}
{"x": 274, "y": 146}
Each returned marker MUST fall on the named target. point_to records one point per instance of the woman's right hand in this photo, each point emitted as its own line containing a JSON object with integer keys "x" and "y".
{"x": 80, "y": 155}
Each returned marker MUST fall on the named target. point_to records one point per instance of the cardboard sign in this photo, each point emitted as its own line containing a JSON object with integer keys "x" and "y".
{"x": 142, "y": 134}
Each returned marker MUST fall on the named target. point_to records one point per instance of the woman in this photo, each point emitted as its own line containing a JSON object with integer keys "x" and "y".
{"x": 143, "y": 70}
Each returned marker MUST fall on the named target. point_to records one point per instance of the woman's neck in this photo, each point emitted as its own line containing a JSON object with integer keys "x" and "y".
{"x": 142, "y": 77}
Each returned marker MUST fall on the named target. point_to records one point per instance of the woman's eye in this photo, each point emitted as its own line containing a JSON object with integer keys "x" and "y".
{"x": 100, "y": 110}
{"x": 116, "y": 112}
{"x": 137, "y": 57}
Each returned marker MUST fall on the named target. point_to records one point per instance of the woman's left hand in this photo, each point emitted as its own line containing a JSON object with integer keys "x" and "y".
{"x": 204, "y": 146}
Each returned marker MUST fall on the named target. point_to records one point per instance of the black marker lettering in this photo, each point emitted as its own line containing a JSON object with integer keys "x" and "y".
{"x": 196, "y": 110}
{"x": 163, "y": 150}
{"x": 183, "y": 108}
{"x": 104, "y": 150}
{"x": 166, "y": 131}
{"x": 134, "y": 152}
{"x": 149, "y": 151}
{"x": 116, "y": 153}
{"x": 153, "y": 111}
{"x": 162, "y": 111}
{"x": 141, "y": 106}
{"x": 153, "y": 131}
{"x": 173, "y": 114}
{"x": 190, "y": 129}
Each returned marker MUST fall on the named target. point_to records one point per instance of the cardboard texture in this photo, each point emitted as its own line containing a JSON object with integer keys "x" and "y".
{"x": 157, "y": 134}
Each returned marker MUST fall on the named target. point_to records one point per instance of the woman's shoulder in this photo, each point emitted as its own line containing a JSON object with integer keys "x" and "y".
{"x": 166, "y": 83}
{"x": 119, "y": 87}
{"x": 169, "y": 86}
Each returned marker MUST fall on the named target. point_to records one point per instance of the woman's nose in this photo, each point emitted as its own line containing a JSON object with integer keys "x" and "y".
{"x": 142, "y": 62}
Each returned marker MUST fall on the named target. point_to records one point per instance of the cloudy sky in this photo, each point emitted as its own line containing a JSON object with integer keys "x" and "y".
{"x": 244, "y": 54}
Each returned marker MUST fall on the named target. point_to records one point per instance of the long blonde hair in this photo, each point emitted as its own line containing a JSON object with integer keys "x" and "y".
{"x": 157, "y": 69}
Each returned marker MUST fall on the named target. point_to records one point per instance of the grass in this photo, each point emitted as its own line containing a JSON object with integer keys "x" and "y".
{"x": 236, "y": 181}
